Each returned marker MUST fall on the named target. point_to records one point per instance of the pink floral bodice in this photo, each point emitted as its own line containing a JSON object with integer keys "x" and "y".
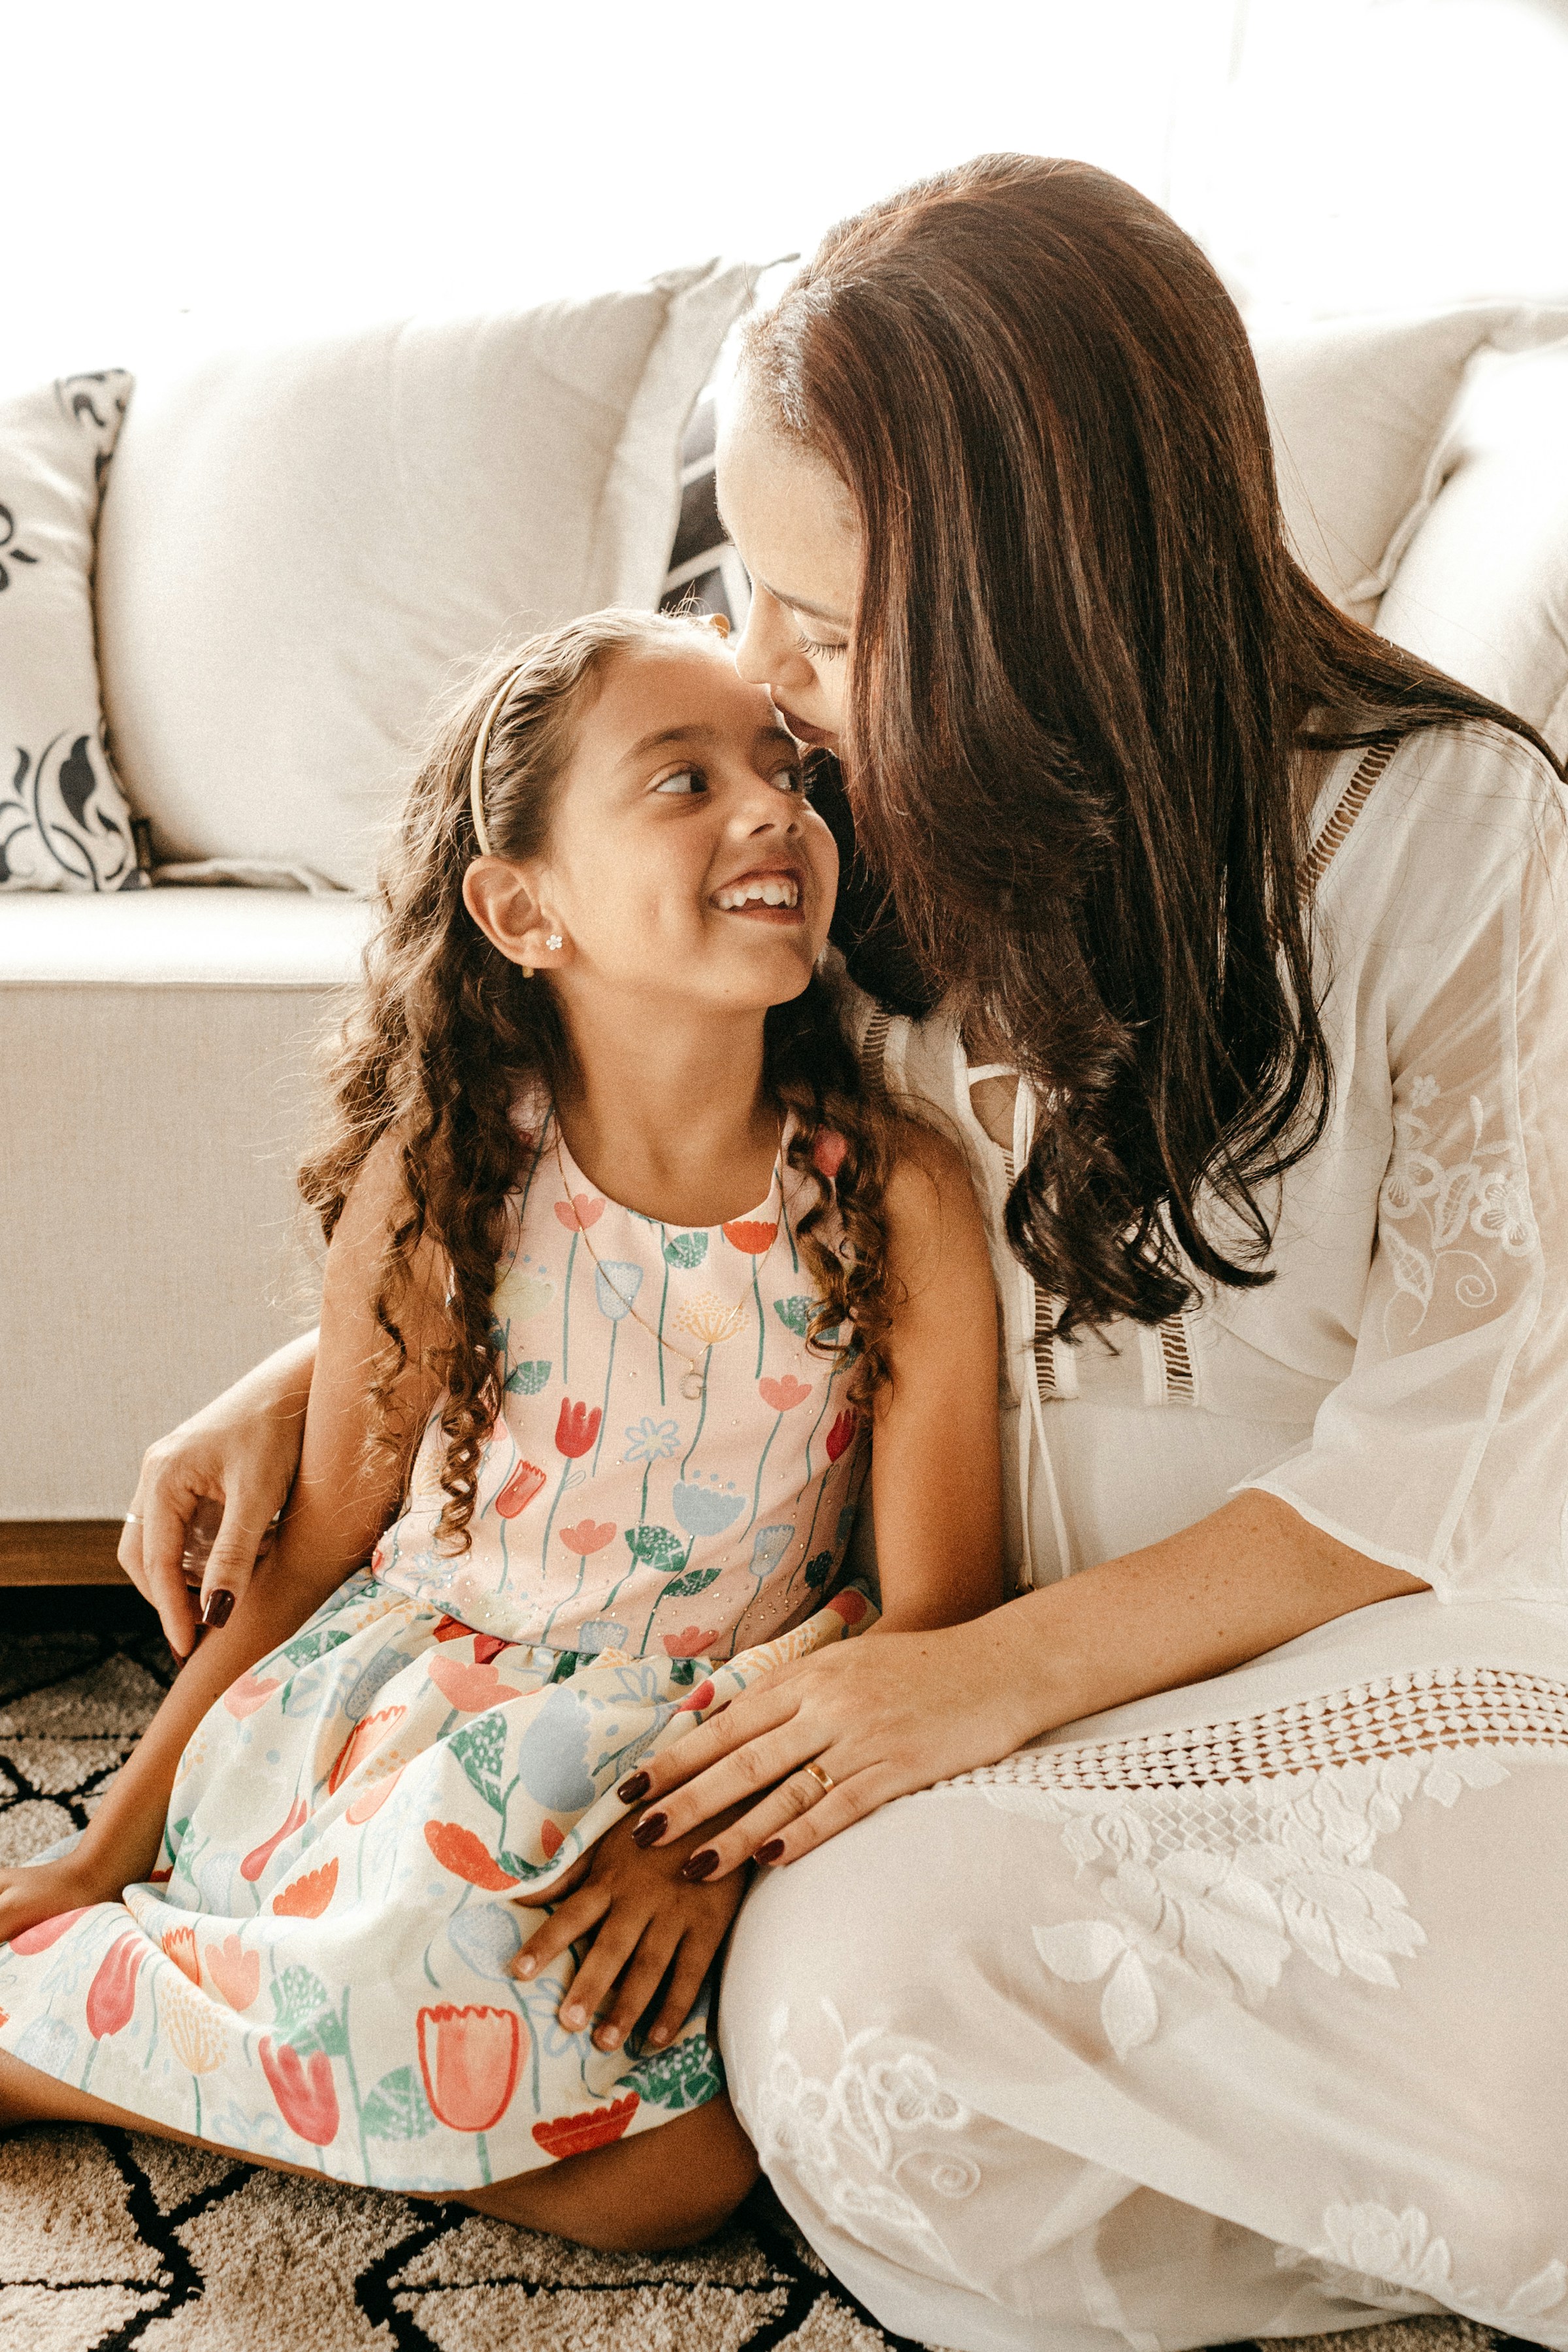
{"x": 615, "y": 1510}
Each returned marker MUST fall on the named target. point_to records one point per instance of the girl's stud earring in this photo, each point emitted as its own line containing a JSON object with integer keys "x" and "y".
{"x": 555, "y": 941}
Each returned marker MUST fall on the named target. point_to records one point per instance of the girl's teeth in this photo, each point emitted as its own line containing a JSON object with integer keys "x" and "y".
{"x": 768, "y": 894}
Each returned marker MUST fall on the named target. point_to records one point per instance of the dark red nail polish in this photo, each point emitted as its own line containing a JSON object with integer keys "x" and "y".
{"x": 219, "y": 1608}
{"x": 650, "y": 1827}
{"x": 771, "y": 1852}
{"x": 701, "y": 1865}
{"x": 630, "y": 1790}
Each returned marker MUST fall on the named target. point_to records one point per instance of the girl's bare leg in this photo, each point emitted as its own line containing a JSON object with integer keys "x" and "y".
{"x": 647, "y": 2195}
{"x": 26, "y": 2096}
{"x": 664, "y": 2188}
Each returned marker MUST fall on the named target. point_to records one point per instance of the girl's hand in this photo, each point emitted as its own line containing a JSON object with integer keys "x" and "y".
{"x": 881, "y": 1717}
{"x": 650, "y": 1928}
{"x": 209, "y": 1492}
{"x": 44, "y": 1889}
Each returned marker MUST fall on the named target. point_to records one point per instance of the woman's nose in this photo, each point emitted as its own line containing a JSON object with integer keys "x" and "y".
{"x": 765, "y": 652}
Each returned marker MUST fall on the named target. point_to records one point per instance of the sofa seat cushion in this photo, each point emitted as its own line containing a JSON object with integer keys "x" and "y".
{"x": 156, "y": 1094}
{"x": 183, "y": 938}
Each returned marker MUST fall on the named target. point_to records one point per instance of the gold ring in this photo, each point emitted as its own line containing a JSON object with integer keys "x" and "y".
{"x": 824, "y": 1780}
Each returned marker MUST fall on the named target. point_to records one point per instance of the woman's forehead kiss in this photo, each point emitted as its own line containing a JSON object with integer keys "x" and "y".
{"x": 658, "y": 701}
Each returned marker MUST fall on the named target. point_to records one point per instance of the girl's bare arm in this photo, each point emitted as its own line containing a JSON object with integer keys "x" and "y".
{"x": 936, "y": 1456}
{"x": 343, "y": 1496}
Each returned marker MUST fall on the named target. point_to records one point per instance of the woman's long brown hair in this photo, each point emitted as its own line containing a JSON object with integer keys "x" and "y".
{"x": 1085, "y": 667}
{"x": 444, "y": 1036}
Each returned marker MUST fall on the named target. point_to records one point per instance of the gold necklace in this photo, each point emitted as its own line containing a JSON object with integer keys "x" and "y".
{"x": 694, "y": 1381}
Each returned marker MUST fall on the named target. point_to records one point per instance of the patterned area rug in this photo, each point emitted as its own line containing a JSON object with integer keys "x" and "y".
{"x": 109, "y": 2239}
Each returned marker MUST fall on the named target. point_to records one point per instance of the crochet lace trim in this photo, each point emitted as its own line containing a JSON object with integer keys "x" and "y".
{"x": 1351, "y": 804}
{"x": 1402, "y": 1715}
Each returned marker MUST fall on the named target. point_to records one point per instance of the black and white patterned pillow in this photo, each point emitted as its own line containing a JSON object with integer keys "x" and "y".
{"x": 706, "y": 575}
{"x": 64, "y": 822}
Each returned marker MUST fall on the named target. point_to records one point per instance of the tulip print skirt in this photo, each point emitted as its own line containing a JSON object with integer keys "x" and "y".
{"x": 358, "y": 1835}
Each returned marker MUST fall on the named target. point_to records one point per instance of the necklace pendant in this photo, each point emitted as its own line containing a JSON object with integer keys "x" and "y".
{"x": 693, "y": 1384}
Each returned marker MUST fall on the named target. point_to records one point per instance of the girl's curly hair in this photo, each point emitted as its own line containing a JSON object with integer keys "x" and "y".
{"x": 443, "y": 1036}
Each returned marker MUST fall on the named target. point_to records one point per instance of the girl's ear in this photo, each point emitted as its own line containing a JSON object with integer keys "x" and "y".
{"x": 502, "y": 897}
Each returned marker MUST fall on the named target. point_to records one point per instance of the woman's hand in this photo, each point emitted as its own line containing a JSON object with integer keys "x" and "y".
{"x": 44, "y": 1889}
{"x": 881, "y": 1715}
{"x": 651, "y": 1927}
{"x": 218, "y": 1480}
{"x": 889, "y": 1712}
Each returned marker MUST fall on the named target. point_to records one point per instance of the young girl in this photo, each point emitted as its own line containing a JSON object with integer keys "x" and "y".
{"x": 611, "y": 1226}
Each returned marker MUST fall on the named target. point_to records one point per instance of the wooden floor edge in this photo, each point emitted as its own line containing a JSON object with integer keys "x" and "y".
{"x": 61, "y": 1551}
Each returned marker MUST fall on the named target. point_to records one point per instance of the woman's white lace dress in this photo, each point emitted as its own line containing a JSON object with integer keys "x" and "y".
{"x": 1243, "y": 2010}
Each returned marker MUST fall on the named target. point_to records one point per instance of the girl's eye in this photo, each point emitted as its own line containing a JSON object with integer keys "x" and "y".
{"x": 685, "y": 781}
{"x": 789, "y": 780}
{"x": 823, "y": 653}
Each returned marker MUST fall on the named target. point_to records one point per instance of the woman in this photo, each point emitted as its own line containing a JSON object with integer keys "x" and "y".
{"x": 1214, "y": 1992}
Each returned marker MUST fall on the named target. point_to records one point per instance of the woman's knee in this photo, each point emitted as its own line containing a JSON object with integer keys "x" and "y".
{"x": 663, "y": 2190}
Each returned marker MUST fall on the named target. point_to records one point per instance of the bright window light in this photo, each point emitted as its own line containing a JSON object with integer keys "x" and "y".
{"x": 179, "y": 175}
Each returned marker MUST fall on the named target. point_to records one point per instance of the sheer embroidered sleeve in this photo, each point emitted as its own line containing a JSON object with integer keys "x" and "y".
{"x": 1444, "y": 1451}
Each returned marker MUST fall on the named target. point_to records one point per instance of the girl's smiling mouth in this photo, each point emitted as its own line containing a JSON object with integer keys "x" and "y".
{"x": 769, "y": 893}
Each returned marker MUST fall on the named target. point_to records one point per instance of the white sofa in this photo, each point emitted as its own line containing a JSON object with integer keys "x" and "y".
{"x": 155, "y": 1076}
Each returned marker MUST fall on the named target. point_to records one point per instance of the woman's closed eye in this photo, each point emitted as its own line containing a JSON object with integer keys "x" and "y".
{"x": 822, "y": 652}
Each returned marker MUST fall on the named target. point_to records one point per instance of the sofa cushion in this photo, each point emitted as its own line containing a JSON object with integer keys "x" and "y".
{"x": 1482, "y": 588}
{"x": 1358, "y": 408}
{"x": 64, "y": 823}
{"x": 302, "y": 549}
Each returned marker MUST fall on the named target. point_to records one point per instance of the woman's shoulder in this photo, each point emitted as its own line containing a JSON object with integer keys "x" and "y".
{"x": 1473, "y": 773}
{"x": 1442, "y": 819}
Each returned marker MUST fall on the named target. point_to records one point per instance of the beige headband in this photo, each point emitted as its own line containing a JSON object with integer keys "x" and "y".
{"x": 481, "y": 750}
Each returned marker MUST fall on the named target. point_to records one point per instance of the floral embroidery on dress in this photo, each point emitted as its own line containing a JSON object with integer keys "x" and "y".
{"x": 1224, "y": 1883}
{"x": 1485, "y": 1192}
{"x": 851, "y": 2137}
{"x": 1368, "y": 2248}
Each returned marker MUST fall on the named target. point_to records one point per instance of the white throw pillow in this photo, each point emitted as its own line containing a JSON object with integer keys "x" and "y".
{"x": 64, "y": 823}
{"x": 1358, "y": 408}
{"x": 302, "y": 547}
{"x": 1483, "y": 588}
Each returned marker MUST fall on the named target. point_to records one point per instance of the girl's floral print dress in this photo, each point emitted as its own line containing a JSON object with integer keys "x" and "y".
{"x": 362, "y": 1824}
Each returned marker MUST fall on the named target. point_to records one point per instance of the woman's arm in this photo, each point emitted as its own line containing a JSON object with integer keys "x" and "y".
{"x": 885, "y": 1717}
{"x": 228, "y": 1468}
{"x": 936, "y": 1449}
{"x": 343, "y": 1496}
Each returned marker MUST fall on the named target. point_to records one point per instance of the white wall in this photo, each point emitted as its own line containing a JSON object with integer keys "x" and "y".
{"x": 183, "y": 173}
